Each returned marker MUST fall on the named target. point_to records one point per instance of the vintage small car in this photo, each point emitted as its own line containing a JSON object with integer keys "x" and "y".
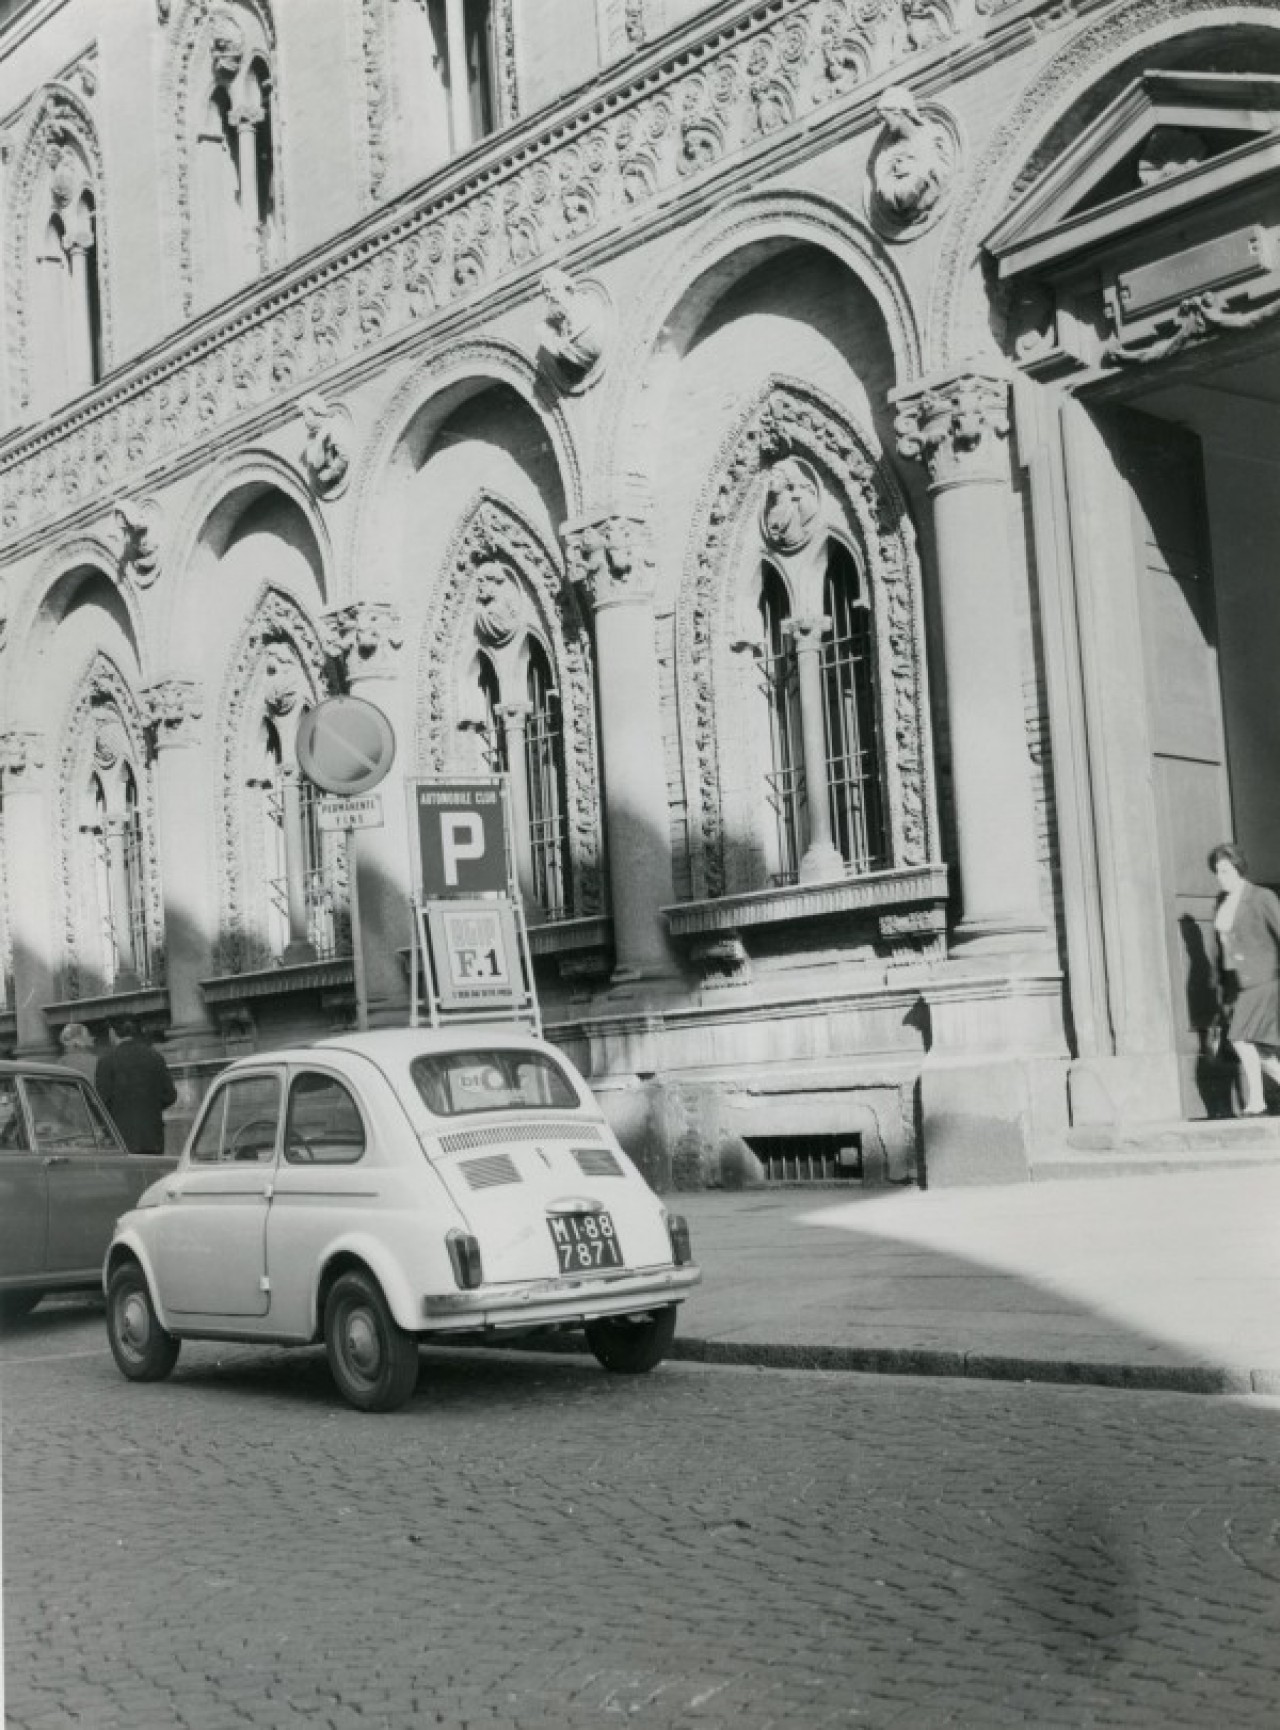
{"x": 381, "y": 1189}
{"x": 65, "y": 1178}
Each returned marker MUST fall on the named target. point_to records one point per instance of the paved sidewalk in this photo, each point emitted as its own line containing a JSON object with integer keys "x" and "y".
{"x": 1166, "y": 1281}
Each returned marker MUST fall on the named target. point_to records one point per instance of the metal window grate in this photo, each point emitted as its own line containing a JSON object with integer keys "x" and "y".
{"x": 850, "y": 720}
{"x": 808, "y": 1158}
{"x": 548, "y": 806}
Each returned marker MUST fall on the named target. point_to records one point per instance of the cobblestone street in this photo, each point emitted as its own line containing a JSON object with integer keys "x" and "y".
{"x": 534, "y": 1544}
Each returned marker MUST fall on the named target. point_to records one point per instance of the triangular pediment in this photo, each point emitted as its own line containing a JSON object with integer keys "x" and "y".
{"x": 1168, "y": 139}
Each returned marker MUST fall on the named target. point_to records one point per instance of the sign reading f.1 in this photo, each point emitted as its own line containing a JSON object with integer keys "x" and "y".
{"x": 462, "y": 838}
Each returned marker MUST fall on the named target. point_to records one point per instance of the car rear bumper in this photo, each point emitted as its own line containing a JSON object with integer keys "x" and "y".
{"x": 540, "y": 1303}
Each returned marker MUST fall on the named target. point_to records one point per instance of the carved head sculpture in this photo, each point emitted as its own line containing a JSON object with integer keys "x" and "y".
{"x": 67, "y": 176}
{"x": 227, "y": 49}
{"x": 499, "y": 601}
{"x": 909, "y": 168}
{"x": 559, "y": 293}
{"x": 572, "y": 332}
{"x": 792, "y": 503}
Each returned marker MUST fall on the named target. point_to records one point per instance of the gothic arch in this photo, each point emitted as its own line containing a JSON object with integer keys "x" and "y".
{"x": 484, "y": 361}
{"x": 200, "y": 530}
{"x": 192, "y": 39}
{"x": 102, "y": 721}
{"x": 793, "y": 418}
{"x": 60, "y": 119}
{"x": 280, "y": 643}
{"x": 494, "y": 533}
{"x": 42, "y": 605}
{"x": 681, "y": 291}
{"x": 959, "y": 308}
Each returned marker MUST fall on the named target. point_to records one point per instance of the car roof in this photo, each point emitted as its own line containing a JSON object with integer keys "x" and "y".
{"x": 35, "y": 1066}
{"x": 393, "y": 1047}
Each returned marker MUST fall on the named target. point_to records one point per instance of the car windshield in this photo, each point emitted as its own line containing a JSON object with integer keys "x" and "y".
{"x": 458, "y": 1082}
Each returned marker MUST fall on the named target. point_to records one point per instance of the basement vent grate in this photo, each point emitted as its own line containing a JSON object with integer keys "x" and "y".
{"x": 808, "y": 1158}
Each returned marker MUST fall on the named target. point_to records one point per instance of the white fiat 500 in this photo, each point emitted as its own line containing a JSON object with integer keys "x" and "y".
{"x": 384, "y": 1188}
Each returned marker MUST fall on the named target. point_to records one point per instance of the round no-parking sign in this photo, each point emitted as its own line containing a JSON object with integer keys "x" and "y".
{"x": 345, "y": 745}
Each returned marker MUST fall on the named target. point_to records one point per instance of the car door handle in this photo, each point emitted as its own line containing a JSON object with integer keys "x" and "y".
{"x": 56, "y": 1159}
{"x": 172, "y": 1189}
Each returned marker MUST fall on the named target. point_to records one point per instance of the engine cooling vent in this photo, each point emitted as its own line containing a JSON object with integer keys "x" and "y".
{"x": 463, "y": 1139}
{"x": 488, "y": 1173}
{"x": 597, "y": 1161}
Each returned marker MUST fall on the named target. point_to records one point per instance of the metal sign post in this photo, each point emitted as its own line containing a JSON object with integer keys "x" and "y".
{"x": 346, "y": 746}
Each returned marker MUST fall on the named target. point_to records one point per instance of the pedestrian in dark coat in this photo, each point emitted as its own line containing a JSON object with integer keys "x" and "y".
{"x": 1247, "y": 923}
{"x": 135, "y": 1086}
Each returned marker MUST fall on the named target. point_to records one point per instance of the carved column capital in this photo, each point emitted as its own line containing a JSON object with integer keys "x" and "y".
{"x": 171, "y": 708}
{"x": 955, "y": 427}
{"x": 807, "y": 634}
{"x": 21, "y": 760}
{"x": 611, "y": 560}
{"x": 365, "y": 636}
{"x": 514, "y": 716}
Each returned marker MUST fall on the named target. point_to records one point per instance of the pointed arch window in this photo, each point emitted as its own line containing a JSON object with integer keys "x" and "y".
{"x": 114, "y": 866}
{"x": 304, "y": 913}
{"x": 67, "y": 345}
{"x": 824, "y": 734}
{"x": 544, "y": 769}
{"x": 234, "y": 205}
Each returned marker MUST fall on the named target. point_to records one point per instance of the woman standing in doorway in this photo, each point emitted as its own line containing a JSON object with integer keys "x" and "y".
{"x": 1247, "y": 922}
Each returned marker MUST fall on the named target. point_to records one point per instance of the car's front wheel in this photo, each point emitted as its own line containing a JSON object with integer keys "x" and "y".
{"x": 144, "y": 1351}
{"x": 371, "y": 1358}
{"x": 630, "y": 1345}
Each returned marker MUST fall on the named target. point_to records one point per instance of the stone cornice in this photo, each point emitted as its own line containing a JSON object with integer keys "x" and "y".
{"x": 883, "y": 891}
{"x": 677, "y": 115}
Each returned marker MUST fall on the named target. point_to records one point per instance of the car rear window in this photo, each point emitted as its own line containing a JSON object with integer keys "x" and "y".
{"x": 458, "y": 1082}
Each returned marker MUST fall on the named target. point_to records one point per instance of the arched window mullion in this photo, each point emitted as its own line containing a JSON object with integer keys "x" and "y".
{"x": 785, "y": 780}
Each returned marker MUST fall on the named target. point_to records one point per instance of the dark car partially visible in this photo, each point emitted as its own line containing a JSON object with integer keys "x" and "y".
{"x": 65, "y": 1178}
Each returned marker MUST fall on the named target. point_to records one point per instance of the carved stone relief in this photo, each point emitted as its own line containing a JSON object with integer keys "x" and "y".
{"x": 796, "y": 429}
{"x": 326, "y": 450}
{"x": 912, "y": 165}
{"x": 137, "y": 528}
{"x": 575, "y": 330}
{"x": 496, "y": 564}
{"x": 763, "y": 70}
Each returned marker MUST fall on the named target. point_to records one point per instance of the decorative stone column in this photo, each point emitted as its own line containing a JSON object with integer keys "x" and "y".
{"x": 80, "y": 347}
{"x": 608, "y": 558}
{"x": 366, "y": 637}
{"x": 822, "y": 860}
{"x": 187, "y": 849}
{"x": 459, "y": 90}
{"x": 246, "y": 121}
{"x": 29, "y": 828}
{"x": 515, "y": 722}
{"x": 958, "y": 428}
{"x": 126, "y": 958}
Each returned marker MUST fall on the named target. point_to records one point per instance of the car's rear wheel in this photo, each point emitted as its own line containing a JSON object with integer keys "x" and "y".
{"x": 144, "y": 1351}
{"x": 16, "y": 1305}
{"x": 371, "y": 1357}
{"x": 630, "y": 1345}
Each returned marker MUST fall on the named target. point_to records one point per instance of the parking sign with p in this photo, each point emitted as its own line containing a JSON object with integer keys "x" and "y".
{"x": 462, "y": 838}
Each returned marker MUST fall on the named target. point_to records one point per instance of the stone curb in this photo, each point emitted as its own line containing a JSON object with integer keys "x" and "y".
{"x": 974, "y": 1366}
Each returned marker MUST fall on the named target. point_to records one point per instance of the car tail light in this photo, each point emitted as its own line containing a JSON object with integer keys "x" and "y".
{"x": 464, "y": 1253}
{"x": 678, "y": 1231}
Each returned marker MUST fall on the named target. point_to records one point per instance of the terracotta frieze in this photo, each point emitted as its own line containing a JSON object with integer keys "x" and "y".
{"x": 761, "y": 71}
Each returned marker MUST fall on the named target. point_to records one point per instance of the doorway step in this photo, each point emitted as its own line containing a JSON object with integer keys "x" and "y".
{"x": 1129, "y": 1150}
